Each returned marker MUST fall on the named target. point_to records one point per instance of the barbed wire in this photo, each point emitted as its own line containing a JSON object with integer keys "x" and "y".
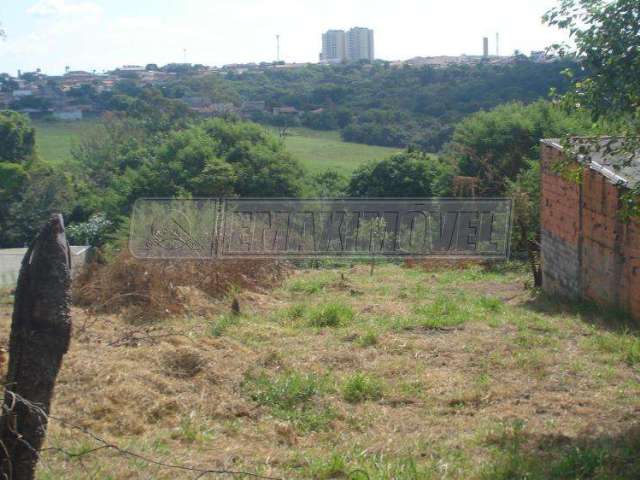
{"x": 106, "y": 445}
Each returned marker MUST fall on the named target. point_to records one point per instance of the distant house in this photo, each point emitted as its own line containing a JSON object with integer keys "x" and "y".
{"x": 225, "y": 107}
{"x": 35, "y": 112}
{"x": 68, "y": 114}
{"x": 5, "y": 98}
{"x": 285, "y": 110}
{"x": 132, "y": 68}
{"x": 22, "y": 93}
{"x": 254, "y": 106}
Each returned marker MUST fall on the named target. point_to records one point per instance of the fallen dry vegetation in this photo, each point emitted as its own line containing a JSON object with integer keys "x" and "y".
{"x": 333, "y": 373}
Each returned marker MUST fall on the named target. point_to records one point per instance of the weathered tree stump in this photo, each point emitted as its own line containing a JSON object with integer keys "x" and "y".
{"x": 40, "y": 335}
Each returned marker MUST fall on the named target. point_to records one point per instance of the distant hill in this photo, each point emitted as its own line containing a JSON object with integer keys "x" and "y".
{"x": 384, "y": 105}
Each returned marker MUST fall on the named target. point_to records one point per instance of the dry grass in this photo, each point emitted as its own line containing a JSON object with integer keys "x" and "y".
{"x": 517, "y": 387}
{"x": 157, "y": 289}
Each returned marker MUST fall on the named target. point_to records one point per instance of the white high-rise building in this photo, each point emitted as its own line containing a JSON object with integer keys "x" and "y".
{"x": 339, "y": 46}
{"x": 333, "y": 47}
{"x": 359, "y": 44}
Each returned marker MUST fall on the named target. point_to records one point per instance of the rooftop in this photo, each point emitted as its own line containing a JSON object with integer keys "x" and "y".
{"x": 606, "y": 155}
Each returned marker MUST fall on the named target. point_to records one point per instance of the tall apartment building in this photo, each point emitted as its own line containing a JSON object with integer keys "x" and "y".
{"x": 340, "y": 46}
{"x": 360, "y": 44}
{"x": 333, "y": 47}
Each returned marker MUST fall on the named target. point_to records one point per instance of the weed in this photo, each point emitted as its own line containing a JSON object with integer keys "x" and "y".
{"x": 308, "y": 286}
{"x": 330, "y": 315}
{"x": 334, "y": 467}
{"x": 443, "y": 312}
{"x": 291, "y": 396}
{"x": 295, "y": 312}
{"x": 223, "y": 322}
{"x": 191, "y": 430}
{"x": 579, "y": 463}
{"x": 368, "y": 339}
{"x": 622, "y": 346}
{"x": 490, "y": 304}
{"x": 360, "y": 387}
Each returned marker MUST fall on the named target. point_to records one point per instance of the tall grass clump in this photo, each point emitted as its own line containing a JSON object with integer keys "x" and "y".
{"x": 330, "y": 315}
{"x": 359, "y": 388}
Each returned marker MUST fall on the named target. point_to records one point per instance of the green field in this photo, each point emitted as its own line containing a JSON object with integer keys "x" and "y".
{"x": 55, "y": 138}
{"x": 317, "y": 151}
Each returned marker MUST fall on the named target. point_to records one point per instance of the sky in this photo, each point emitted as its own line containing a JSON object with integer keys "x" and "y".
{"x": 104, "y": 34}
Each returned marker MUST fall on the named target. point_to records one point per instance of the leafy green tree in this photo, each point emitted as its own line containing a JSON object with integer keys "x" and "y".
{"x": 17, "y": 138}
{"x": 262, "y": 165}
{"x": 497, "y": 145}
{"x": 408, "y": 174}
{"x": 127, "y": 158}
{"x": 329, "y": 184}
{"x": 606, "y": 34}
{"x": 43, "y": 192}
{"x": 525, "y": 192}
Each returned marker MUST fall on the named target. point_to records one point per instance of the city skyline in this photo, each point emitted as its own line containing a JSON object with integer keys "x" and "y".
{"x": 99, "y": 35}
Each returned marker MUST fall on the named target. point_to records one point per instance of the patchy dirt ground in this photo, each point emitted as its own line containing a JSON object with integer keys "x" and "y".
{"x": 338, "y": 374}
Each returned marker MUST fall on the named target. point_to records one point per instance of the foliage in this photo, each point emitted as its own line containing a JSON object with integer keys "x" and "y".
{"x": 17, "y": 138}
{"x": 408, "y": 174}
{"x": 607, "y": 44}
{"x": 29, "y": 190}
{"x": 329, "y": 184}
{"x": 44, "y": 192}
{"x": 92, "y": 232}
{"x": 525, "y": 192}
{"x": 126, "y": 158}
{"x": 497, "y": 145}
{"x": 381, "y": 105}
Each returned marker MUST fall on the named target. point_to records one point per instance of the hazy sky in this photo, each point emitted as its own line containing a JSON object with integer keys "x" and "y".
{"x": 103, "y": 34}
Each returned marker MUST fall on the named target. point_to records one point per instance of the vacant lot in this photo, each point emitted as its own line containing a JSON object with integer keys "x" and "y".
{"x": 54, "y": 139}
{"x": 405, "y": 374}
{"x": 321, "y": 151}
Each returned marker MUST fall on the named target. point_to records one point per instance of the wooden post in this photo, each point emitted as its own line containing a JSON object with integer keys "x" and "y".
{"x": 40, "y": 335}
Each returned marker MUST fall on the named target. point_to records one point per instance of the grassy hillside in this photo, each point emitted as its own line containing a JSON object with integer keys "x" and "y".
{"x": 54, "y": 139}
{"x": 319, "y": 151}
{"x": 407, "y": 374}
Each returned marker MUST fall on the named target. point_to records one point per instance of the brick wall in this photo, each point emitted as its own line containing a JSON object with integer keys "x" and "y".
{"x": 560, "y": 226}
{"x": 587, "y": 252}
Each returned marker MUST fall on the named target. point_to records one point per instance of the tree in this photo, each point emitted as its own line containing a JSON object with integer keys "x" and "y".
{"x": 408, "y": 174}
{"x": 607, "y": 45}
{"x": 43, "y": 192}
{"x": 17, "y": 138}
{"x": 606, "y": 34}
{"x": 497, "y": 145}
{"x": 329, "y": 184}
